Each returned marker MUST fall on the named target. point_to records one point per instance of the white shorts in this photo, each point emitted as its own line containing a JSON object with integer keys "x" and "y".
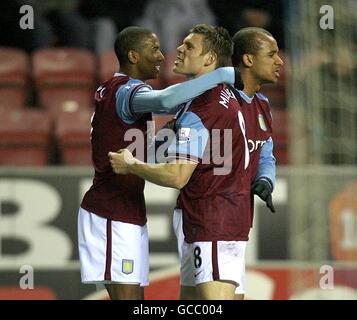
{"x": 209, "y": 260}
{"x": 112, "y": 251}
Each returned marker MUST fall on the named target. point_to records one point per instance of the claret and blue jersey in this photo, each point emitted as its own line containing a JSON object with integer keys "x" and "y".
{"x": 257, "y": 115}
{"x": 123, "y": 104}
{"x": 216, "y": 200}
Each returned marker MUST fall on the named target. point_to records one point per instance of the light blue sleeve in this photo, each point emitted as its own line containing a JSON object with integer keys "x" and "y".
{"x": 168, "y": 100}
{"x": 267, "y": 163}
{"x": 190, "y": 140}
{"x": 123, "y": 98}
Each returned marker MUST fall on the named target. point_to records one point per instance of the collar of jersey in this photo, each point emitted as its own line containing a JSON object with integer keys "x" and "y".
{"x": 118, "y": 74}
{"x": 245, "y": 97}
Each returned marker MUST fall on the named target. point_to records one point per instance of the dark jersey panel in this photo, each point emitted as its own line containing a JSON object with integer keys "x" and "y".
{"x": 216, "y": 200}
{"x": 115, "y": 197}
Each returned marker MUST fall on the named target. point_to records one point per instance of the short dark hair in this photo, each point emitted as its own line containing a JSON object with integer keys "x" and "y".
{"x": 216, "y": 39}
{"x": 130, "y": 38}
{"x": 246, "y": 41}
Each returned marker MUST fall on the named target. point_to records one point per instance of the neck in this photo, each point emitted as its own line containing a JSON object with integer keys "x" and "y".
{"x": 251, "y": 85}
{"x": 131, "y": 72}
{"x": 203, "y": 71}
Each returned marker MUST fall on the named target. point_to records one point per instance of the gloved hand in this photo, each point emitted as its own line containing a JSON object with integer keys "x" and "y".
{"x": 238, "y": 83}
{"x": 263, "y": 189}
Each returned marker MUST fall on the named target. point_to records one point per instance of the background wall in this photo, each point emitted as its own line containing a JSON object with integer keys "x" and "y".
{"x": 286, "y": 251}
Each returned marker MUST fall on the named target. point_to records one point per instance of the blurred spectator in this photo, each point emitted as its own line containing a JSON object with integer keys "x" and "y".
{"x": 172, "y": 19}
{"x": 234, "y": 15}
{"x": 11, "y": 34}
{"x": 56, "y": 23}
{"x": 122, "y": 13}
{"x": 108, "y": 18}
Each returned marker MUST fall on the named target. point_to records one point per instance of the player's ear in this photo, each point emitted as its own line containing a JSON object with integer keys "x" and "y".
{"x": 133, "y": 57}
{"x": 247, "y": 60}
{"x": 211, "y": 58}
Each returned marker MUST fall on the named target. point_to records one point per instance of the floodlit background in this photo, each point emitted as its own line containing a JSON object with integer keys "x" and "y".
{"x": 53, "y": 55}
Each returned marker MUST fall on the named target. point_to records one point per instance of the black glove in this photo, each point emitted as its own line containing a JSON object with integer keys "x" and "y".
{"x": 238, "y": 83}
{"x": 263, "y": 188}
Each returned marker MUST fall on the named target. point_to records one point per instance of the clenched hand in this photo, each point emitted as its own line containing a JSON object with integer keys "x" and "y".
{"x": 121, "y": 161}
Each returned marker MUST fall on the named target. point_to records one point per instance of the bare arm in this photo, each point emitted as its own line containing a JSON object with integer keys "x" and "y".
{"x": 175, "y": 174}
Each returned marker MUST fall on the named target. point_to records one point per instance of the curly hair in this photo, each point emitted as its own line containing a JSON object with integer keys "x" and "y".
{"x": 130, "y": 38}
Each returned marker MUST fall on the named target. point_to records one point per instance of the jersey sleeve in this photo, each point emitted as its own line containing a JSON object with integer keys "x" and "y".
{"x": 168, "y": 100}
{"x": 267, "y": 163}
{"x": 190, "y": 140}
{"x": 124, "y": 95}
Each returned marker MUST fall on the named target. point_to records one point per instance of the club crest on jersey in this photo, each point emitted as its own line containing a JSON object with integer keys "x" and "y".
{"x": 127, "y": 266}
{"x": 261, "y": 121}
{"x": 184, "y": 135}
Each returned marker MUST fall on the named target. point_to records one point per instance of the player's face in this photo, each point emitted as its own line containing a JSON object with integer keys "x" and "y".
{"x": 267, "y": 63}
{"x": 150, "y": 58}
{"x": 190, "y": 61}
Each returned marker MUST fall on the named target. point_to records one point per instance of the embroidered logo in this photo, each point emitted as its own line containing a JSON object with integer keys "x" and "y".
{"x": 127, "y": 266}
{"x": 262, "y": 122}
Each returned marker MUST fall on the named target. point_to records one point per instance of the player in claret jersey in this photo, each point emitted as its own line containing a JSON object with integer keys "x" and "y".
{"x": 214, "y": 200}
{"x": 112, "y": 232}
{"x": 256, "y": 55}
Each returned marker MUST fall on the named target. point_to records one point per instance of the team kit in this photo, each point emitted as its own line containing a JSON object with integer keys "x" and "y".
{"x": 217, "y": 150}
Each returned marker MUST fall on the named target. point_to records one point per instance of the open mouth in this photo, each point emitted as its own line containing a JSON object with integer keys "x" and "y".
{"x": 157, "y": 67}
{"x": 178, "y": 60}
{"x": 277, "y": 73}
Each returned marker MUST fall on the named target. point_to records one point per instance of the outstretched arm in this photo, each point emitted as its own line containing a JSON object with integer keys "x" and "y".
{"x": 175, "y": 174}
{"x": 167, "y": 100}
{"x": 183, "y": 155}
{"x": 136, "y": 97}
